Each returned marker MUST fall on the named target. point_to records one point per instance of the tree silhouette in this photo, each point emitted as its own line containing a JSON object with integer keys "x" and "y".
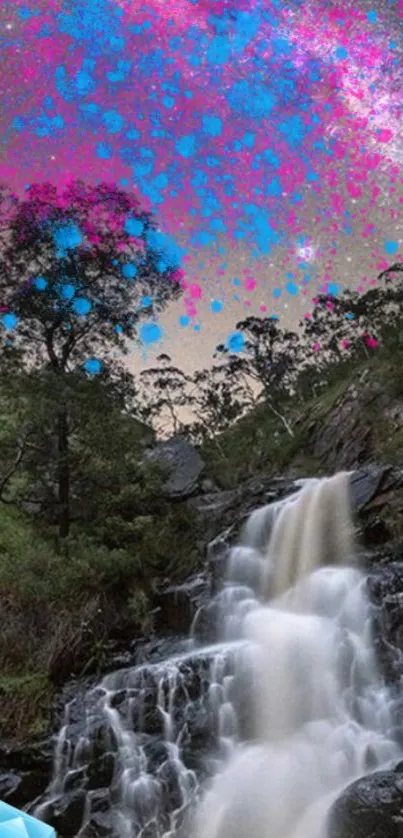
{"x": 79, "y": 271}
{"x": 269, "y": 357}
{"x": 352, "y": 323}
{"x": 166, "y": 392}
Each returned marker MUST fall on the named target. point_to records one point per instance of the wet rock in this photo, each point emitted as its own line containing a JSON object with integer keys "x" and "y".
{"x": 156, "y": 753}
{"x": 206, "y": 624}
{"x": 365, "y": 485}
{"x": 172, "y": 797}
{"x": 184, "y": 465}
{"x": 146, "y": 715}
{"x": 20, "y": 789}
{"x": 100, "y": 823}
{"x": 158, "y": 649}
{"x": 103, "y": 739}
{"x": 343, "y": 439}
{"x": 8, "y": 786}
{"x": 218, "y": 551}
{"x": 372, "y": 807}
{"x": 228, "y": 510}
{"x": 377, "y": 500}
{"x": 101, "y": 771}
{"x": 385, "y": 580}
{"x": 214, "y": 505}
{"x": 385, "y": 589}
{"x": 75, "y": 779}
{"x": 25, "y": 771}
{"x": 178, "y": 604}
{"x": 374, "y": 493}
{"x": 35, "y": 756}
{"x": 66, "y": 813}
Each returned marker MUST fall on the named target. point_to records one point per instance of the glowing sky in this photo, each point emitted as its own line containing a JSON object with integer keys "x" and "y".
{"x": 264, "y": 135}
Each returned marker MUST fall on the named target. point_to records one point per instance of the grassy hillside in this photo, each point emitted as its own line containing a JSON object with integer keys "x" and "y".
{"x": 259, "y": 443}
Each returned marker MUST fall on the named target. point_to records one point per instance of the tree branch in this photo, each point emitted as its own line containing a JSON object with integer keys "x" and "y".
{"x": 22, "y": 447}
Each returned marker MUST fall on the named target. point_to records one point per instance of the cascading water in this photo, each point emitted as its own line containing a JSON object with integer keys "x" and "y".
{"x": 321, "y": 714}
{"x": 283, "y": 712}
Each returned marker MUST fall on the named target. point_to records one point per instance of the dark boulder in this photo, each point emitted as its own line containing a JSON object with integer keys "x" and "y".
{"x": 20, "y": 789}
{"x": 178, "y": 604}
{"x": 101, "y": 771}
{"x": 100, "y": 823}
{"x": 66, "y": 813}
{"x": 377, "y": 499}
{"x": 183, "y": 464}
{"x": 25, "y": 771}
{"x": 372, "y": 807}
{"x": 385, "y": 589}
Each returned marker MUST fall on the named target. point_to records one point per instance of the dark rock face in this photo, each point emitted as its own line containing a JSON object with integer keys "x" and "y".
{"x": 184, "y": 464}
{"x": 178, "y": 604}
{"x": 66, "y": 813}
{"x": 377, "y": 500}
{"x": 25, "y": 771}
{"x": 372, "y": 807}
{"x": 145, "y": 698}
{"x": 100, "y": 824}
{"x": 20, "y": 789}
{"x": 385, "y": 588}
{"x": 345, "y": 437}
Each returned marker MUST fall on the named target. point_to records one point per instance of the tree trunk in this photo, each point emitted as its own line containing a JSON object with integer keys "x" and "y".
{"x": 63, "y": 476}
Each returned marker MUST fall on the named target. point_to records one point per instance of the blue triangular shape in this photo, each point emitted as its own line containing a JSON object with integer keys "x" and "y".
{"x": 17, "y": 824}
{"x": 14, "y": 828}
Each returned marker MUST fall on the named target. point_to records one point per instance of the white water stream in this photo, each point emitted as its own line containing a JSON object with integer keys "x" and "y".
{"x": 321, "y": 713}
{"x": 290, "y": 694}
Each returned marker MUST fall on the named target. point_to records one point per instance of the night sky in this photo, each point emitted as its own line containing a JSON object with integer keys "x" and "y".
{"x": 263, "y": 135}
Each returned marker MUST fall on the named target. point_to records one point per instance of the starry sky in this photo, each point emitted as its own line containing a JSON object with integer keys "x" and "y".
{"x": 264, "y": 135}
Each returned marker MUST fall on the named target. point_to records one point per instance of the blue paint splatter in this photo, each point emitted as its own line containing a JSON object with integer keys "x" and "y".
{"x": 150, "y": 333}
{"x": 391, "y": 247}
{"x": 81, "y": 306}
{"x": 113, "y": 121}
{"x": 104, "y": 151}
{"x": 68, "y": 291}
{"x": 93, "y": 366}
{"x": 67, "y": 237}
{"x": 165, "y": 250}
{"x": 10, "y": 321}
{"x": 186, "y": 146}
{"x": 216, "y": 306}
{"x": 219, "y": 50}
{"x": 212, "y": 125}
{"x": 129, "y": 270}
{"x": 235, "y": 342}
{"x": 253, "y": 99}
{"x": 292, "y": 288}
{"x": 134, "y": 227}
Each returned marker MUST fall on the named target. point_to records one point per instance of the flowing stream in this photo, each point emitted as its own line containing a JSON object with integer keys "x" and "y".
{"x": 283, "y": 712}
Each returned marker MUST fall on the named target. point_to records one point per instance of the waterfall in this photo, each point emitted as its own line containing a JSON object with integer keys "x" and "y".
{"x": 255, "y": 735}
{"x": 320, "y": 712}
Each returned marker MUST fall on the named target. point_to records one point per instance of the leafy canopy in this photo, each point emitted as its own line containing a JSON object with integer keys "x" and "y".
{"x": 79, "y": 270}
